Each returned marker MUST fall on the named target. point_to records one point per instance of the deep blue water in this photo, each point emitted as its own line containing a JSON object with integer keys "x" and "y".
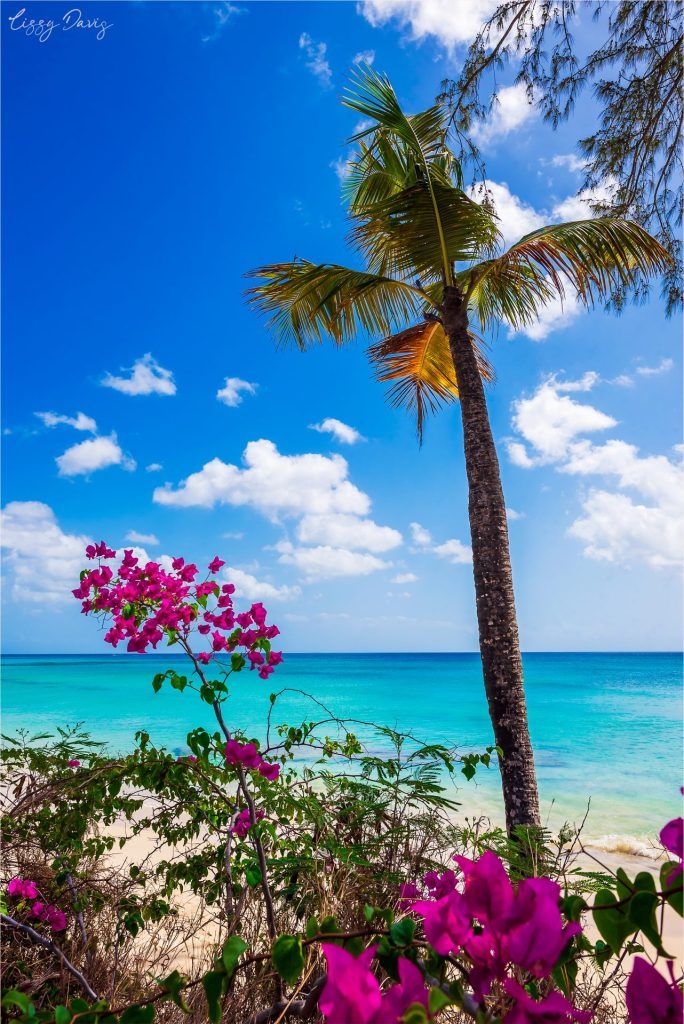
{"x": 605, "y": 727}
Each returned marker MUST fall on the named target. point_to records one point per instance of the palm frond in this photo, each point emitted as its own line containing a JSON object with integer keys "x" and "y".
{"x": 593, "y": 258}
{"x": 397, "y": 235}
{"x": 419, "y": 366}
{"x": 306, "y": 302}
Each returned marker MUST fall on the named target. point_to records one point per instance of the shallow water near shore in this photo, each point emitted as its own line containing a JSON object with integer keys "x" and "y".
{"x": 606, "y": 728}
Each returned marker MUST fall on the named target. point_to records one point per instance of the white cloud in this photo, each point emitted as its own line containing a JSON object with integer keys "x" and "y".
{"x": 326, "y": 562}
{"x": 342, "y": 432}
{"x": 252, "y": 589}
{"x": 154, "y": 467}
{"x": 342, "y": 166}
{"x": 142, "y": 538}
{"x": 89, "y": 456}
{"x": 515, "y": 217}
{"x": 364, "y": 57}
{"x": 511, "y": 111}
{"x": 274, "y": 484}
{"x": 573, "y": 162}
{"x": 448, "y": 22}
{"x": 224, "y": 13}
{"x": 232, "y": 536}
{"x": 317, "y": 62}
{"x": 664, "y": 366}
{"x": 615, "y": 526}
{"x": 146, "y": 377}
{"x": 233, "y": 389}
{"x": 79, "y": 422}
{"x": 550, "y": 420}
{"x": 454, "y": 551}
{"x": 512, "y": 515}
{"x": 420, "y": 535}
{"x": 556, "y": 314}
{"x": 405, "y": 577}
{"x": 43, "y": 560}
{"x": 623, "y": 380}
{"x": 347, "y": 531}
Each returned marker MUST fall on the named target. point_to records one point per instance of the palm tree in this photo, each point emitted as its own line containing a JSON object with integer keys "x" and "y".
{"x": 432, "y": 270}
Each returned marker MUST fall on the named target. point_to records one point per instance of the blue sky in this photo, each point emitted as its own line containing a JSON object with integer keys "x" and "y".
{"x": 144, "y": 173}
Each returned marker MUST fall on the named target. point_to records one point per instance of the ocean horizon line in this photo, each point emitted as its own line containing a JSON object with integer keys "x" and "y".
{"x": 336, "y": 654}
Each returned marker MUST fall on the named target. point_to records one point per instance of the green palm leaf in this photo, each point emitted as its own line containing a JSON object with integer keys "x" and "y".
{"x": 306, "y": 302}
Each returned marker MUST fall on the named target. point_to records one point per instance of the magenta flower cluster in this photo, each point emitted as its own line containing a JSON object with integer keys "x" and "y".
{"x": 494, "y": 924}
{"x": 352, "y": 993}
{"x": 147, "y": 602}
{"x": 25, "y": 889}
{"x": 243, "y": 822}
{"x": 248, "y": 756}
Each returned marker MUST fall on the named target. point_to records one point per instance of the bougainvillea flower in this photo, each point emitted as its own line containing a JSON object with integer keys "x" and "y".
{"x": 488, "y": 888}
{"x": 553, "y": 1009}
{"x": 672, "y": 838}
{"x": 215, "y": 564}
{"x": 651, "y": 999}
{"x": 446, "y": 921}
{"x": 74, "y": 763}
{"x": 535, "y": 934}
{"x": 22, "y": 888}
{"x": 411, "y": 989}
{"x": 269, "y": 770}
{"x": 243, "y": 822}
{"x": 351, "y": 994}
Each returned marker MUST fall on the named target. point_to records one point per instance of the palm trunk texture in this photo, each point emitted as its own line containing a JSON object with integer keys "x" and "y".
{"x": 497, "y": 622}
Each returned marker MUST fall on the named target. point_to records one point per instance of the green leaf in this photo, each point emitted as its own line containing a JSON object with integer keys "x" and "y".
{"x": 62, "y": 1015}
{"x": 437, "y": 1000}
{"x": 402, "y": 931}
{"x": 312, "y": 928}
{"x": 642, "y": 911}
{"x": 612, "y": 922}
{"x": 178, "y": 682}
{"x": 212, "y": 982}
{"x": 14, "y": 998}
{"x": 253, "y": 875}
{"x": 415, "y": 1014}
{"x": 288, "y": 957}
{"x": 158, "y": 681}
{"x": 670, "y": 880}
{"x": 138, "y": 1015}
{"x": 174, "y": 985}
{"x": 232, "y": 950}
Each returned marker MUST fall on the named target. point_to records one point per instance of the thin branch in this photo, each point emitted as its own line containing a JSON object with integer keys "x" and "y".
{"x": 40, "y": 940}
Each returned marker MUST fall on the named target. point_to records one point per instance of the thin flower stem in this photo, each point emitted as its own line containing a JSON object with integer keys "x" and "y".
{"x": 40, "y": 940}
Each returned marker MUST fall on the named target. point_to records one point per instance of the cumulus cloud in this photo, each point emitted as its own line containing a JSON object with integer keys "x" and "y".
{"x": 314, "y": 489}
{"x": 420, "y": 535}
{"x": 316, "y": 62}
{"x": 452, "y": 550}
{"x": 364, "y": 57}
{"x": 142, "y": 538}
{"x": 154, "y": 467}
{"x": 274, "y": 484}
{"x": 510, "y": 112}
{"x": 405, "y": 577}
{"x": 342, "y": 166}
{"x": 641, "y": 521}
{"x": 89, "y": 456}
{"x": 342, "y": 432}
{"x": 571, "y": 161}
{"x": 512, "y": 515}
{"x": 325, "y": 562}
{"x": 145, "y": 377}
{"x": 43, "y": 561}
{"x": 252, "y": 589}
{"x": 664, "y": 366}
{"x": 447, "y": 22}
{"x": 79, "y": 422}
{"x": 232, "y": 391}
{"x": 348, "y": 532}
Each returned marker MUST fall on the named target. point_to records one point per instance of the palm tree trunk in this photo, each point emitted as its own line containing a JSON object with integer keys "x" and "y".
{"x": 498, "y": 627}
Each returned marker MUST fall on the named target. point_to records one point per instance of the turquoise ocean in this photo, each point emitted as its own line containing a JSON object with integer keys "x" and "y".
{"x": 606, "y": 728}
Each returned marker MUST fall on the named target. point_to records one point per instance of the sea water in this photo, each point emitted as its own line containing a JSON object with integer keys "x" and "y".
{"x": 606, "y": 728}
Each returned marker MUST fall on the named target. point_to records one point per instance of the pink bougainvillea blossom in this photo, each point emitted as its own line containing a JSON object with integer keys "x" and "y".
{"x": 243, "y": 822}
{"x": 144, "y": 603}
{"x": 651, "y": 999}
{"x": 187, "y": 757}
{"x": 74, "y": 763}
{"x": 672, "y": 838}
{"x": 248, "y": 756}
{"x": 22, "y": 888}
{"x": 53, "y": 917}
{"x": 352, "y": 994}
